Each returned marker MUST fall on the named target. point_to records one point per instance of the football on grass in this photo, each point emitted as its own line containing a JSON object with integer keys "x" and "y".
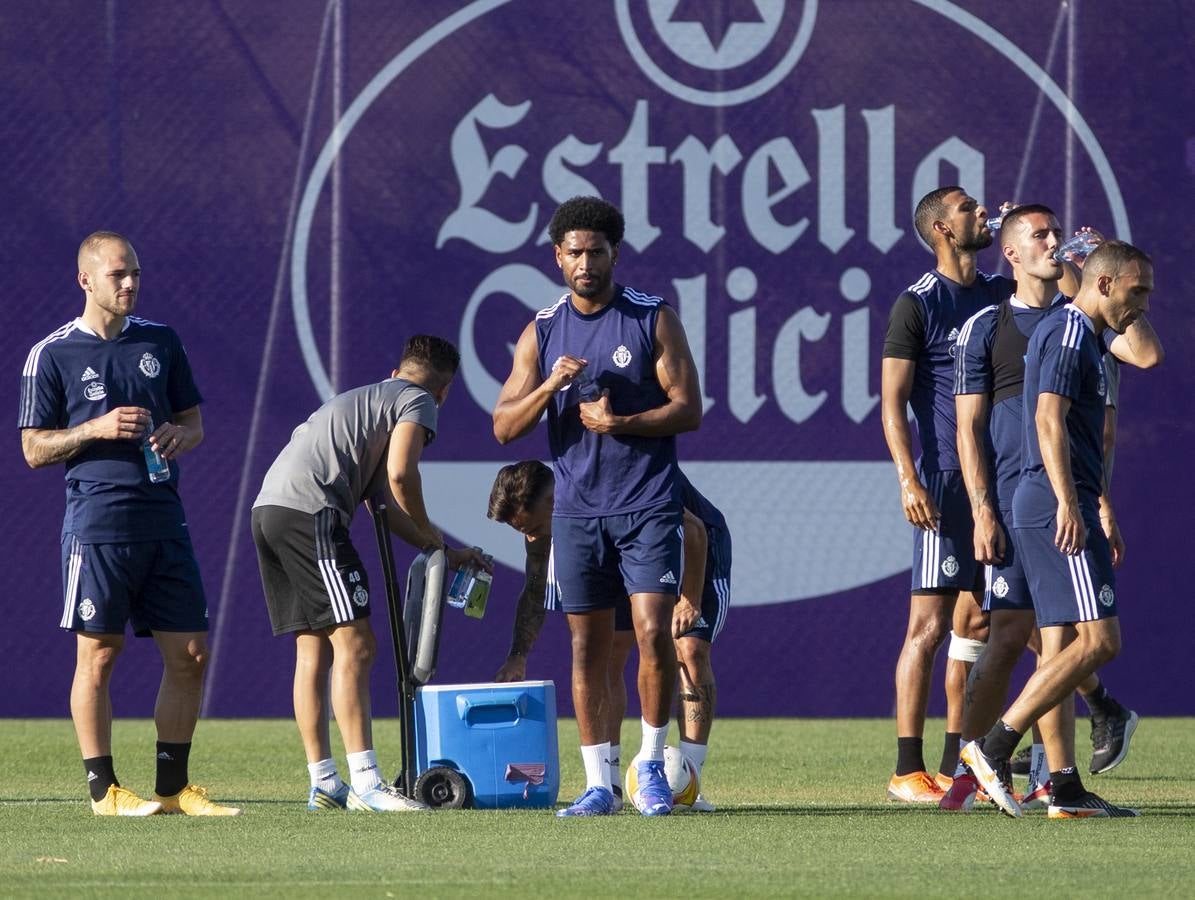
{"x": 681, "y": 775}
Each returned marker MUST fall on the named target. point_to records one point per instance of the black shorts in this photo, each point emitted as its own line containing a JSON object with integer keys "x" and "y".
{"x": 310, "y": 570}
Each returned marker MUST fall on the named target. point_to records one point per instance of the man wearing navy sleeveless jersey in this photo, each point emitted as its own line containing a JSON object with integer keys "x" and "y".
{"x": 1056, "y": 505}
{"x": 989, "y": 381}
{"x": 522, "y": 497}
{"x": 92, "y": 393}
{"x": 611, "y": 367}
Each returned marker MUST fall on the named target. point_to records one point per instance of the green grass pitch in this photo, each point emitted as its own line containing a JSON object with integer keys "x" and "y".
{"x": 801, "y": 812}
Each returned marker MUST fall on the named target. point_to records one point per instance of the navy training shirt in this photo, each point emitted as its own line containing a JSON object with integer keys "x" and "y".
{"x": 73, "y": 376}
{"x": 990, "y": 360}
{"x": 924, "y": 326}
{"x": 607, "y": 474}
{"x": 1065, "y": 357}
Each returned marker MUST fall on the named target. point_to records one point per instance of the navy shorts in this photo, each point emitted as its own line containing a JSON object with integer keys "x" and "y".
{"x": 1068, "y": 589}
{"x": 944, "y": 560}
{"x": 1006, "y": 587}
{"x": 310, "y": 571}
{"x": 155, "y": 585}
{"x": 598, "y": 561}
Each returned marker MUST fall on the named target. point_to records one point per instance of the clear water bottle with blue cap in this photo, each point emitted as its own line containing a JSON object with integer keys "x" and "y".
{"x": 155, "y": 463}
{"x": 1078, "y": 247}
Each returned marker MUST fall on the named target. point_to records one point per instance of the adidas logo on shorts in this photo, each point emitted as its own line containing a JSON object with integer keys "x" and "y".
{"x": 668, "y": 578}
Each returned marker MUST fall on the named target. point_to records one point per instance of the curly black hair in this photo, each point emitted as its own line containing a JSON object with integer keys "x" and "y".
{"x": 587, "y": 214}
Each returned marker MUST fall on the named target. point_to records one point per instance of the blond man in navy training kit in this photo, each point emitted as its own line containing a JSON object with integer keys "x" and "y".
{"x": 92, "y": 393}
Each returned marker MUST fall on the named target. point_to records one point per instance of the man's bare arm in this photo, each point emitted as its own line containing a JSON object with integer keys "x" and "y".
{"x": 529, "y": 614}
{"x": 1139, "y": 346}
{"x": 896, "y": 385}
{"x": 1050, "y": 421}
{"x": 47, "y": 446}
{"x": 692, "y": 583}
{"x": 524, "y": 397}
{"x": 973, "y": 413}
{"x": 406, "y": 484}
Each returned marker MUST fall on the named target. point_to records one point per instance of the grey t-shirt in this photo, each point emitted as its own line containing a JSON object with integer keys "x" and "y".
{"x": 335, "y": 455}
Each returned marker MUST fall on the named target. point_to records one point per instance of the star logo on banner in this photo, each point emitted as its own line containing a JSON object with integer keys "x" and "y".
{"x": 716, "y": 18}
{"x": 716, "y": 36}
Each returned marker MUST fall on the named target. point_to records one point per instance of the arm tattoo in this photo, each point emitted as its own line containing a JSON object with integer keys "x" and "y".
{"x": 529, "y": 616}
{"x": 46, "y": 446}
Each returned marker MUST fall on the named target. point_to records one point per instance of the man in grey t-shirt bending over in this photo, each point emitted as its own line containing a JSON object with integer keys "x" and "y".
{"x": 358, "y": 443}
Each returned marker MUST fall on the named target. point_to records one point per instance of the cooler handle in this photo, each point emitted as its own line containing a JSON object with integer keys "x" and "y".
{"x": 488, "y": 712}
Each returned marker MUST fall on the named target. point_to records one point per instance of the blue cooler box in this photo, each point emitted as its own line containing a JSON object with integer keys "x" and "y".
{"x": 501, "y": 737}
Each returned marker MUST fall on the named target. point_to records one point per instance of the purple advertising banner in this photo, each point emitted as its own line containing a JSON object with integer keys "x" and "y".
{"x": 308, "y": 184}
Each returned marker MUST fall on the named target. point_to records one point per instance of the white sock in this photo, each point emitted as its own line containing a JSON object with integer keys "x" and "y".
{"x": 364, "y": 771}
{"x": 696, "y": 754}
{"x": 324, "y": 775}
{"x": 1039, "y": 769}
{"x": 615, "y": 765}
{"x": 596, "y": 758}
{"x": 653, "y": 742}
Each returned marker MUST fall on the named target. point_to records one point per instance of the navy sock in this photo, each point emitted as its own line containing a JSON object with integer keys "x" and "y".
{"x": 100, "y": 776}
{"x": 1100, "y": 703}
{"x": 950, "y": 754}
{"x": 1065, "y": 785}
{"x": 172, "y": 768}
{"x": 1001, "y": 741}
{"x": 909, "y": 757}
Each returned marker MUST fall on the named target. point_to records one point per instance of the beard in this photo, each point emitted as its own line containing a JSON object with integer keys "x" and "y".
{"x": 588, "y": 291}
{"x": 977, "y": 241}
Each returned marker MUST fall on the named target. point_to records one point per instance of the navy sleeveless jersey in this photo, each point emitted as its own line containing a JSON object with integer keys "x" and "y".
{"x": 74, "y": 375}
{"x": 924, "y": 326}
{"x": 696, "y": 503}
{"x": 991, "y": 360}
{"x": 1065, "y": 357}
{"x": 606, "y": 474}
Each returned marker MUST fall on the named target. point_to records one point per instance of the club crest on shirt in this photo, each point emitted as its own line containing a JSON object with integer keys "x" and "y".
{"x": 1107, "y": 595}
{"x": 149, "y": 365}
{"x": 1000, "y": 588}
{"x": 622, "y": 357}
{"x": 1102, "y": 386}
{"x": 950, "y": 567}
{"x": 95, "y": 391}
{"x": 86, "y": 610}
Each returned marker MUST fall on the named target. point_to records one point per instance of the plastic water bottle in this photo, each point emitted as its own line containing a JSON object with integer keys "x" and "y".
{"x": 155, "y": 464}
{"x": 587, "y": 388}
{"x": 1078, "y": 247}
{"x": 462, "y": 584}
{"x": 458, "y": 591}
{"x": 994, "y": 223}
{"x": 479, "y": 590}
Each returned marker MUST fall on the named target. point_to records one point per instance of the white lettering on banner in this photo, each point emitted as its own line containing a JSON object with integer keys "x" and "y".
{"x": 634, "y": 155}
{"x": 474, "y": 172}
